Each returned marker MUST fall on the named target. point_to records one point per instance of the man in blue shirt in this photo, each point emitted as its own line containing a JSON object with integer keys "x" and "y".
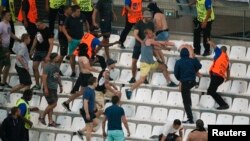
{"x": 115, "y": 116}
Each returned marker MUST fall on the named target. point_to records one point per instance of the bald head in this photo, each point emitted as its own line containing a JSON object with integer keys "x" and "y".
{"x": 224, "y": 49}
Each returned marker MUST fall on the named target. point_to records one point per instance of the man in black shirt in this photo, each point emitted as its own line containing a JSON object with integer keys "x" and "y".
{"x": 106, "y": 14}
{"x": 41, "y": 49}
{"x": 73, "y": 30}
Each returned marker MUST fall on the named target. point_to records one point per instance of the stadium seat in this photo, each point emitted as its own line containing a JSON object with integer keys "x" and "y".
{"x": 43, "y": 104}
{"x": 125, "y": 76}
{"x": 208, "y": 118}
{"x": 175, "y": 114}
{"x": 14, "y": 97}
{"x": 47, "y": 136}
{"x": 143, "y": 131}
{"x": 158, "y": 79}
{"x": 241, "y": 120}
{"x": 33, "y": 135}
{"x": 3, "y": 115}
{"x": 114, "y": 74}
{"x": 204, "y": 83}
{"x": 59, "y": 107}
{"x": 12, "y": 66}
{"x": 175, "y": 99}
{"x": 225, "y": 87}
{"x": 207, "y": 101}
{"x": 63, "y": 137}
{"x": 237, "y": 52}
{"x": 129, "y": 110}
{"x": 239, "y": 87}
{"x": 67, "y": 87}
{"x": 240, "y": 105}
{"x": 96, "y": 139}
{"x": 171, "y": 63}
{"x": 77, "y": 104}
{"x": 35, "y": 101}
{"x": 34, "y": 118}
{"x": 173, "y": 78}
{"x": 248, "y": 72}
{"x": 125, "y": 60}
{"x": 78, "y": 123}
{"x": 224, "y": 119}
{"x": 76, "y": 138}
{"x": 206, "y": 64}
{"x": 31, "y": 67}
{"x": 196, "y": 115}
{"x": 14, "y": 80}
{"x": 65, "y": 122}
{"x": 159, "y": 97}
{"x": 238, "y": 70}
{"x": 227, "y": 46}
{"x": 19, "y": 30}
{"x": 129, "y": 42}
{"x": 143, "y": 113}
{"x": 123, "y": 97}
{"x": 156, "y": 130}
{"x": 66, "y": 69}
{"x": 228, "y": 100}
{"x": 248, "y": 54}
{"x": 132, "y": 128}
{"x": 143, "y": 95}
{"x": 159, "y": 114}
{"x": 195, "y": 99}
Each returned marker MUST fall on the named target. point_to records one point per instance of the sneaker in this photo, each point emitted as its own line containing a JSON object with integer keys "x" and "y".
{"x": 188, "y": 122}
{"x": 73, "y": 74}
{"x": 172, "y": 84}
{"x": 128, "y": 94}
{"x": 146, "y": 81}
{"x": 206, "y": 54}
{"x": 42, "y": 120}
{"x": 122, "y": 46}
{"x": 223, "y": 107}
{"x": 36, "y": 87}
{"x": 79, "y": 134}
{"x": 132, "y": 80}
{"x": 66, "y": 106}
{"x": 54, "y": 124}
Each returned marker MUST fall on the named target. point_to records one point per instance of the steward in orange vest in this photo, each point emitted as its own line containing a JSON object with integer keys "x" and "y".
{"x": 32, "y": 13}
{"x": 134, "y": 12}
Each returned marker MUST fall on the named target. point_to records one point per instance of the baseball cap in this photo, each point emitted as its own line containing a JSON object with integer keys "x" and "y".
{"x": 147, "y": 14}
{"x": 110, "y": 62}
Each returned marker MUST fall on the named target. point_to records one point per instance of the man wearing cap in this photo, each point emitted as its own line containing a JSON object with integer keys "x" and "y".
{"x": 198, "y": 134}
{"x": 51, "y": 79}
{"x": 139, "y": 35}
{"x": 104, "y": 87}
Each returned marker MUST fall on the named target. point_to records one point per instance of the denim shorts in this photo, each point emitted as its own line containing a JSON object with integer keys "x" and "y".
{"x": 163, "y": 36}
{"x": 73, "y": 44}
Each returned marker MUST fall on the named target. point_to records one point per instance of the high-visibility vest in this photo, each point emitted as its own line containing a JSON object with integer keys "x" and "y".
{"x": 136, "y": 14}
{"x": 220, "y": 65}
{"x": 32, "y": 14}
{"x": 11, "y": 8}
{"x": 27, "y": 114}
{"x": 85, "y": 5}
{"x": 55, "y": 4}
{"x": 86, "y": 39}
{"x": 202, "y": 11}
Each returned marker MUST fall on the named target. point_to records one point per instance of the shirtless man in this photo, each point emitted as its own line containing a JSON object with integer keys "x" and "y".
{"x": 198, "y": 134}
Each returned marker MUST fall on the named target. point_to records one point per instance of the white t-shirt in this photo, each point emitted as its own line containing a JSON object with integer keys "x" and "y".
{"x": 21, "y": 50}
{"x": 168, "y": 128}
{"x": 5, "y": 31}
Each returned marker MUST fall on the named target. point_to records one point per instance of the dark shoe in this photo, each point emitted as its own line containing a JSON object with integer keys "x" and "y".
{"x": 42, "y": 120}
{"x": 132, "y": 80}
{"x": 223, "y": 107}
{"x": 73, "y": 74}
{"x": 79, "y": 134}
{"x": 122, "y": 46}
{"x": 5, "y": 85}
{"x": 146, "y": 81}
{"x": 188, "y": 122}
{"x": 54, "y": 124}
{"x": 206, "y": 54}
{"x": 128, "y": 94}
{"x": 36, "y": 87}
{"x": 66, "y": 106}
{"x": 172, "y": 84}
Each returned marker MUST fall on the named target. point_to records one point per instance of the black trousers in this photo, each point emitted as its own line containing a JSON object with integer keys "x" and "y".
{"x": 186, "y": 87}
{"x": 126, "y": 30}
{"x": 197, "y": 36}
{"x": 26, "y": 134}
{"x": 88, "y": 15}
{"x": 52, "y": 18}
{"x": 11, "y": 39}
{"x": 32, "y": 30}
{"x": 215, "y": 82}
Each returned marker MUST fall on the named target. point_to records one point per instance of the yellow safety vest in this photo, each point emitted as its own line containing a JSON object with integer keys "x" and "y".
{"x": 27, "y": 114}
{"x": 202, "y": 11}
{"x": 55, "y": 4}
{"x": 85, "y": 5}
{"x": 12, "y": 9}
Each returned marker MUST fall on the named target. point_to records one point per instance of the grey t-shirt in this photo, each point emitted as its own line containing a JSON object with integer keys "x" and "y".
{"x": 147, "y": 54}
{"x": 52, "y": 71}
{"x": 22, "y": 50}
{"x": 5, "y": 31}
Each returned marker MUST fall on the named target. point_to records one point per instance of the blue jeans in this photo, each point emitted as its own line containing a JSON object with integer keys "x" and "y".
{"x": 163, "y": 36}
{"x": 115, "y": 135}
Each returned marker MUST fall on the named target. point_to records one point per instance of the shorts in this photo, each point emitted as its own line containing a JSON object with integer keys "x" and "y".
{"x": 24, "y": 76}
{"x": 84, "y": 78}
{"x": 72, "y": 45}
{"x": 52, "y": 97}
{"x": 100, "y": 96}
{"x": 39, "y": 56}
{"x": 146, "y": 68}
{"x": 4, "y": 60}
{"x": 92, "y": 116}
{"x": 105, "y": 28}
{"x": 163, "y": 36}
{"x": 136, "y": 52}
{"x": 115, "y": 135}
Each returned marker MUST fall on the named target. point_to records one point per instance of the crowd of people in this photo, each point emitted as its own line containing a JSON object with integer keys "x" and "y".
{"x": 78, "y": 35}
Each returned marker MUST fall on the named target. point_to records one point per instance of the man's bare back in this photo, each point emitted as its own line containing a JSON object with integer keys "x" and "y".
{"x": 198, "y": 136}
{"x": 84, "y": 64}
{"x": 160, "y": 22}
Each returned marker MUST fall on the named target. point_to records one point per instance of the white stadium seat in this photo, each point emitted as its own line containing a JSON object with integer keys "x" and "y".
{"x": 33, "y": 135}
{"x": 77, "y": 124}
{"x": 66, "y": 69}
{"x": 204, "y": 83}
{"x": 125, "y": 75}
{"x": 241, "y": 120}
{"x": 240, "y": 105}
{"x": 77, "y": 105}
{"x": 225, "y": 87}
{"x": 125, "y": 60}
{"x": 19, "y": 30}
{"x": 114, "y": 55}
{"x": 63, "y": 137}
{"x": 206, "y": 64}
{"x": 143, "y": 95}
{"x": 171, "y": 63}
{"x": 96, "y": 139}
{"x": 159, "y": 114}
{"x": 59, "y": 107}
{"x": 228, "y": 100}
{"x": 239, "y": 87}
{"x": 76, "y": 138}
{"x": 175, "y": 114}
{"x": 3, "y": 115}
{"x": 143, "y": 113}
{"x": 195, "y": 99}
{"x": 47, "y": 136}
{"x": 34, "y": 118}
{"x": 248, "y": 72}
{"x": 159, "y": 97}
{"x": 67, "y": 87}
{"x": 35, "y": 101}
{"x": 175, "y": 99}
{"x": 248, "y": 54}
{"x": 129, "y": 42}
{"x": 14, "y": 97}
{"x": 114, "y": 74}
{"x": 196, "y": 115}
{"x": 207, "y": 101}
{"x": 158, "y": 79}
{"x": 12, "y": 66}
{"x": 14, "y": 80}
{"x": 143, "y": 131}
{"x": 64, "y": 121}
{"x": 129, "y": 110}
{"x": 224, "y": 119}
{"x": 43, "y": 103}
{"x": 238, "y": 70}
{"x": 208, "y": 118}
{"x": 132, "y": 128}
{"x": 156, "y": 131}
{"x": 237, "y": 52}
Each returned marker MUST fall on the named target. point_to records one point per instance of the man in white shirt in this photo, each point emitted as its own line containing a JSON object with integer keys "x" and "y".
{"x": 172, "y": 131}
